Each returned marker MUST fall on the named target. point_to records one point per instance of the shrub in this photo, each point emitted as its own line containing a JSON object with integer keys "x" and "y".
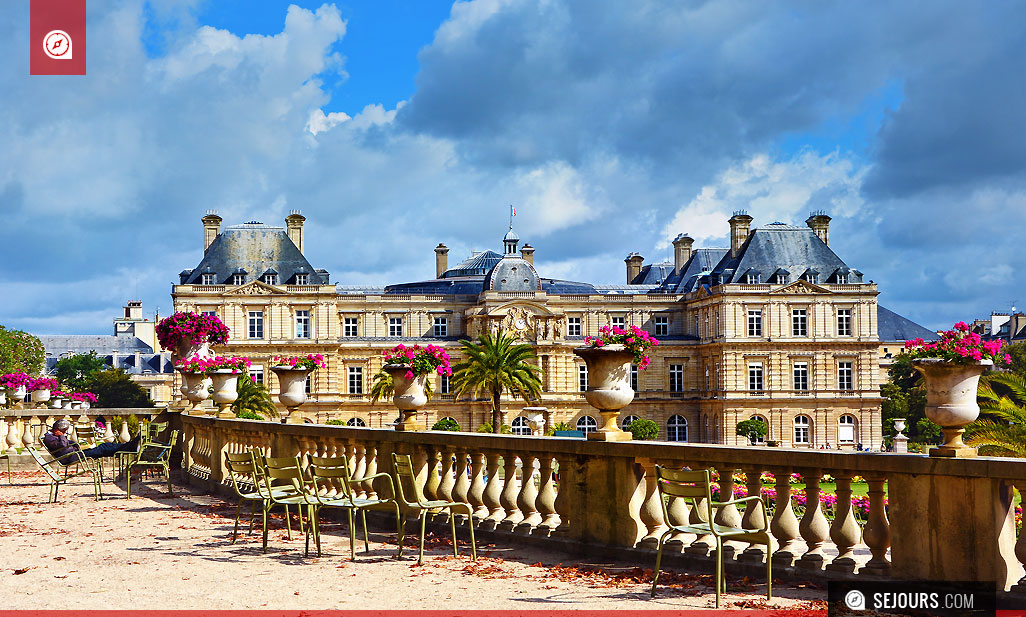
{"x": 487, "y": 428}
{"x": 246, "y": 414}
{"x": 558, "y": 426}
{"x": 644, "y": 430}
{"x": 752, "y": 429}
{"x": 117, "y": 421}
{"x": 447, "y": 424}
{"x": 336, "y": 422}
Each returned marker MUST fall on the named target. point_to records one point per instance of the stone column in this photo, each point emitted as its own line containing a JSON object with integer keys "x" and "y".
{"x": 547, "y": 498}
{"x": 755, "y": 516}
{"x": 814, "y": 527}
{"x": 651, "y": 508}
{"x": 528, "y": 496}
{"x": 844, "y": 531}
{"x": 877, "y": 533}
{"x": 784, "y": 525}
{"x": 492, "y": 493}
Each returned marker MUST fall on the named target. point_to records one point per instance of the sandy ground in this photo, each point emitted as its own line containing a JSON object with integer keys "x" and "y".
{"x": 176, "y": 553}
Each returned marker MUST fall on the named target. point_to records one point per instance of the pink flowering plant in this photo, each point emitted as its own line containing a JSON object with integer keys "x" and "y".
{"x": 420, "y": 360}
{"x": 235, "y": 364}
{"x": 636, "y": 340}
{"x": 181, "y": 327}
{"x": 309, "y": 362}
{"x": 14, "y": 381}
{"x": 959, "y": 346}
{"x": 42, "y": 383}
{"x": 194, "y": 365}
{"x": 83, "y": 396}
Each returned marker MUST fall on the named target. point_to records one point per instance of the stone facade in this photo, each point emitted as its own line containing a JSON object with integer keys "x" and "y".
{"x": 794, "y": 343}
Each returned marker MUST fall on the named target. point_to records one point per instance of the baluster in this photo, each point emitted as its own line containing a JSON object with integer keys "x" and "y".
{"x": 493, "y": 493}
{"x": 845, "y": 531}
{"x": 528, "y": 496}
{"x": 431, "y": 483}
{"x": 877, "y": 533}
{"x": 651, "y": 512}
{"x": 784, "y": 525}
{"x": 728, "y": 515}
{"x": 1020, "y": 543}
{"x": 704, "y": 543}
{"x": 462, "y": 487}
{"x": 371, "y": 454}
{"x": 813, "y": 527}
{"x": 447, "y": 481}
{"x": 125, "y": 435}
{"x": 562, "y": 475}
{"x": 680, "y": 514}
{"x": 477, "y": 486}
{"x": 361, "y": 470}
{"x": 28, "y": 438}
{"x": 547, "y": 498}
{"x": 108, "y": 433}
{"x": 13, "y": 434}
{"x": 755, "y": 516}
{"x": 508, "y": 499}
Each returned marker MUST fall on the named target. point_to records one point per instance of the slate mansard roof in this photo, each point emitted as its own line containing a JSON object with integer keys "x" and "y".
{"x": 253, "y": 249}
{"x": 117, "y": 350}
{"x": 891, "y": 326}
{"x": 796, "y": 250}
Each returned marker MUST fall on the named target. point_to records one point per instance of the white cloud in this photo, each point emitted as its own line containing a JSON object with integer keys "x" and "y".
{"x": 319, "y": 122}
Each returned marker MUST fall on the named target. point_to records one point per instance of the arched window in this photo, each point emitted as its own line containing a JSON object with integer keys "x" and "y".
{"x": 764, "y": 421}
{"x": 355, "y": 422}
{"x": 677, "y": 428}
{"x": 846, "y": 429}
{"x": 802, "y": 425}
{"x": 625, "y": 423}
{"x": 587, "y": 424}
{"x": 521, "y": 426}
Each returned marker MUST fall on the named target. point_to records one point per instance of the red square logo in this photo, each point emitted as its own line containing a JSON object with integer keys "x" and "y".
{"x": 57, "y": 34}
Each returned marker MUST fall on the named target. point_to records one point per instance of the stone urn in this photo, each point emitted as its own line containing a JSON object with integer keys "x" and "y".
{"x": 536, "y": 419}
{"x": 609, "y": 387}
{"x": 291, "y": 390}
{"x": 899, "y": 442}
{"x": 41, "y": 396}
{"x": 57, "y": 402}
{"x": 951, "y": 400}
{"x": 186, "y": 349}
{"x": 3, "y": 396}
{"x": 86, "y": 405}
{"x": 226, "y": 391}
{"x": 195, "y": 387}
{"x": 18, "y": 394}
{"x": 408, "y": 396}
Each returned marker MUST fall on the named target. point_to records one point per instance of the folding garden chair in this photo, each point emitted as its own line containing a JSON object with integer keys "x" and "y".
{"x": 406, "y": 482}
{"x": 56, "y": 479}
{"x": 287, "y": 471}
{"x": 152, "y": 454}
{"x": 150, "y": 434}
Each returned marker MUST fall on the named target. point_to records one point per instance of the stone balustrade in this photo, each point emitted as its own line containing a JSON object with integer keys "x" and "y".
{"x": 946, "y": 519}
{"x": 25, "y": 427}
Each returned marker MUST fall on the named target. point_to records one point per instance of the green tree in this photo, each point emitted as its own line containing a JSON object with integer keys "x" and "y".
{"x": 643, "y": 430}
{"x": 1001, "y": 428}
{"x": 114, "y": 388}
{"x": 446, "y": 424}
{"x": 254, "y": 401}
{"x": 905, "y": 397}
{"x": 77, "y": 371}
{"x": 381, "y": 386}
{"x": 752, "y": 429}
{"x": 1018, "y": 353}
{"x": 495, "y": 365}
{"x": 20, "y": 352}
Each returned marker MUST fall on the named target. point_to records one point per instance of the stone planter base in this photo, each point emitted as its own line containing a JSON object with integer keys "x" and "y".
{"x": 410, "y": 422}
{"x": 610, "y": 436}
{"x": 947, "y": 452}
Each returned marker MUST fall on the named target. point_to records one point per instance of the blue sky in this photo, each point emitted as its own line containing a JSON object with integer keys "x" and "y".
{"x": 396, "y": 125}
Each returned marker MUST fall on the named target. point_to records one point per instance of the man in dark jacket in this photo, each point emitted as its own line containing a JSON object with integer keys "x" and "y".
{"x": 60, "y": 447}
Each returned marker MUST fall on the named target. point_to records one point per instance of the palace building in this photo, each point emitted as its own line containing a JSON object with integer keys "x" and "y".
{"x": 776, "y": 326}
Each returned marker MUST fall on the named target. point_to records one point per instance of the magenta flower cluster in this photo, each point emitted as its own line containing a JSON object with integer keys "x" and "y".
{"x": 42, "y": 383}
{"x": 83, "y": 396}
{"x": 859, "y": 504}
{"x": 636, "y": 340}
{"x": 191, "y": 327}
{"x": 959, "y": 346}
{"x": 420, "y": 360}
{"x": 310, "y": 361}
{"x": 200, "y": 365}
{"x": 14, "y": 381}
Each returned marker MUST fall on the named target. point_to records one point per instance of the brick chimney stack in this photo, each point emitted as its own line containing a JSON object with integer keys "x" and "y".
{"x": 527, "y": 252}
{"x": 740, "y": 227}
{"x": 681, "y": 252}
{"x": 441, "y": 260}
{"x": 634, "y": 262}
{"x": 294, "y": 224}
{"x": 820, "y": 223}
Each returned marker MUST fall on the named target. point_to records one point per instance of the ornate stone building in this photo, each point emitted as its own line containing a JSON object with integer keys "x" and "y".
{"x": 775, "y": 326}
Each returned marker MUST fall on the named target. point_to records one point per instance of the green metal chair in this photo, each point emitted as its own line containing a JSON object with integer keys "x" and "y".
{"x": 287, "y": 471}
{"x": 244, "y": 474}
{"x": 150, "y": 434}
{"x": 152, "y": 454}
{"x": 56, "y": 479}
{"x": 406, "y": 482}
{"x": 86, "y": 437}
{"x": 697, "y": 485}
{"x": 333, "y": 473}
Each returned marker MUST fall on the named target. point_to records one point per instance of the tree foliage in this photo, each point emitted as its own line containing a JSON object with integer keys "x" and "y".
{"x": 77, "y": 371}
{"x": 20, "y": 352}
{"x": 753, "y": 429}
{"x": 1001, "y": 428}
{"x": 643, "y": 430}
{"x": 497, "y": 364}
{"x": 446, "y": 424}
{"x": 114, "y": 388}
{"x": 254, "y": 401}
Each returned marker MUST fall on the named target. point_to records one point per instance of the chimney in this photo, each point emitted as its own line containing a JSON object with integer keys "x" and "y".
{"x": 441, "y": 260}
{"x": 211, "y": 227}
{"x": 294, "y": 224}
{"x": 634, "y": 262}
{"x": 740, "y": 226}
{"x": 528, "y": 253}
{"x": 133, "y": 310}
{"x": 681, "y": 252}
{"x": 820, "y": 223}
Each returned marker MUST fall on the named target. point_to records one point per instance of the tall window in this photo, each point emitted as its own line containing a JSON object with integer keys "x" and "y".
{"x": 842, "y": 279}
{"x": 801, "y": 376}
{"x": 843, "y": 322}
{"x": 238, "y": 279}
{"x": 349, "y": 325}
{"x": 634, "y": 377}
{"x": 587, "y": 424}
{"x": 444, "y": 386}
{"x": 755, "y": 377}
{"x": 441, "y": 326}
{"x": 395, "y": 326}
{"x": 845, "y": 376}
{"x": 846, "y": 429}
{"x": 662, "y": 325}
{"x": 356, "y": 380}
{"x": 617, "y": 322}
{"x": 811, "y": 277}
{"x": 303, "y": 279}
{"x": 676, "y": 378}
{"x": 582, "y": 377}
{"x": 754, "y": 323}
{"x": 760, "y": 438}
{"x": 799, "y": 322}
{"x": 801, "y": 429}
{"x": 302, "y": 324}
{"x": 573, "y": 326}
{"x": 625, "y": 422}
{"x": 256, "y": 324}
{"x": 308, "y": 386}
{"x": 207, "y": 279}
{"x": 520, "y": 426}
{"x": 256, "y": 373}
{"x": 677, "y": 428}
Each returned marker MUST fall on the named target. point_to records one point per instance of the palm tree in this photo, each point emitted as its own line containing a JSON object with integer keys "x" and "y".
{"x": 255, "y": 399}
{"x": 496, "y": 365}
{"x": 381, "y": 387}
{"x": 1001, "y": 429}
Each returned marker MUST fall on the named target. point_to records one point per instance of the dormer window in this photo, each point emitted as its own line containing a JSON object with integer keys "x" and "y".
{"x": 207, "y": 279}
{"x": 842, "y": 279}
{"x": 302, "y": 279}
{"x": 810, "y": 277}
{"x": 752, "y": 279}
{"x": 238, "y": 279}
{"x": 781, "y": 279}
{"x": 271, "y": 279}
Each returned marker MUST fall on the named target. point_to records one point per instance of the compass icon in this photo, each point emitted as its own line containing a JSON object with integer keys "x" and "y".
{"x": 57, "y": 45}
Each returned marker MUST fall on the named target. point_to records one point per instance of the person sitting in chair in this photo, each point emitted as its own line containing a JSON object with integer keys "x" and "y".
{"x": 61, "y": 448}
